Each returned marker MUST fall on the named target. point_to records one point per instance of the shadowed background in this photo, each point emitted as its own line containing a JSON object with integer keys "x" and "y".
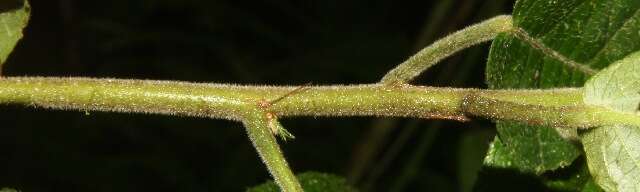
{"x": 275, "y": 42}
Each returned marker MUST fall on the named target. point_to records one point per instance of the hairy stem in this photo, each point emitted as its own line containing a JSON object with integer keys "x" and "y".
{"x": 231, "y": 101}
{"x": 257, "y": 124}
{"x": 429, "y": 56}
{"x": 472, "y": 35}
{"x": 560, "y": 108}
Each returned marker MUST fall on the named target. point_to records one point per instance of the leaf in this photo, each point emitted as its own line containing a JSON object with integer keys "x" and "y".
{"x": 471, "y": 147}
{"x": 311, "y": 182}
{"x": 8, "y": 190}
{"x": 573, "y": 178}
{"x": 592, "y": 32}
{"x": 613, "y": 152}
{"x": 529, "y": 148}
{"x": 617, "y": 87}
{"x": 590, "y": 186}
{"x": 613, "y": 155}
{"x": 14, "y": 16}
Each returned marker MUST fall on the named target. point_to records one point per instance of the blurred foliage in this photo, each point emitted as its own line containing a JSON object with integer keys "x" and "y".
{"x": 14, "y": 16}
{"x": 311, "y": 182}
{"x": 248, "y": 42}
{"x": 8, "y": 190}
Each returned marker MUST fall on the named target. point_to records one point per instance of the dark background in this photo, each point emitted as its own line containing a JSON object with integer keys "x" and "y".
{"x": 275, "y": 42}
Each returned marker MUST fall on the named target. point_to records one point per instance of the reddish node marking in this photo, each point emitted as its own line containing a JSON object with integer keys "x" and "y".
{"x": 263, "y": 104}
{"x": 266, "y": 104}
{"x": 292, "y": 92}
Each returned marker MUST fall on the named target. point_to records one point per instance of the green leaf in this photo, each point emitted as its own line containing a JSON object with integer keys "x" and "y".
{"x": 613, "y": 155}
{"x": 311, "y": 182}
{"x": 14, "y": 16}
{"x": 472, "y": 147}
{"x": 617, "y": 87}
{"x": 613, "y": 152}
{"x": 529, "y": 148}
{"x": 592, "y": 32}
{"x": 573, "y": 178}
{"x": 591, "y": 186}
{"x": 8, "y": 190}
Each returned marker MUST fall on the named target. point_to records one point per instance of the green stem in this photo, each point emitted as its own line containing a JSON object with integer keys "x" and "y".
{"x": 230, "y": 102}
{"x": 472, "y": 35}
{"x": 257, "y": 124}
{"x": 560, "y": 108}
{"x": 429, "y": 56}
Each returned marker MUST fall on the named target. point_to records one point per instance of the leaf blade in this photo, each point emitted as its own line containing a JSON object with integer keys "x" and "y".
{"x": 613, "y": 151}
{"x": 613, "y": 154}
{"x": 13, "y": 19}
{"x": 589, "y": 32}
{"x": 617, "y": 87}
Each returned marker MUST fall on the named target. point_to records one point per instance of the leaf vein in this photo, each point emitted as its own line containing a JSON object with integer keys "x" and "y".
{"x": 615, "y": 34}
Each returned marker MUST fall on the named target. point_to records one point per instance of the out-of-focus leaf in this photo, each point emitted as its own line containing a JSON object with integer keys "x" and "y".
{"x": 14, "y": 16}
{"x": 592, "y": 32}
{"x": 573, "y": 178}
{"x": 471, "y": 150}
{"x": 311, "y": 182}
{"x": 591, "y": 186}
{"x": 8, "y": 190}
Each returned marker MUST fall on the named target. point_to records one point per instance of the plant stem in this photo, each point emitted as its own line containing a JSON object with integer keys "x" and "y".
{"x": 555, "y": 107}
{"x": 257, "y": 125}
{"x": 429, "y": 56}
{"x": 472, "y": 35}
{"x": 560, "y": 108}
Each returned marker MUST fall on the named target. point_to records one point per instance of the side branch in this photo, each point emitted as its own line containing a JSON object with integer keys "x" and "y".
{"x": 443, "y": 48}
{"x": 472, "y": 35}
{"x": 257, "y": 125}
